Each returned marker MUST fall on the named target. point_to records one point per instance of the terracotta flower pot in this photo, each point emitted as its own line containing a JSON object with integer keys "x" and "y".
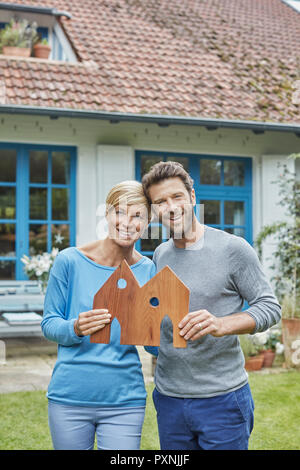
{"x": 254, "y": 363}
{"x": 41, "y": 51}
{"x": 269, "y": 357}
{"x": 290, "y": 335}
{"x": 16, "y": 51}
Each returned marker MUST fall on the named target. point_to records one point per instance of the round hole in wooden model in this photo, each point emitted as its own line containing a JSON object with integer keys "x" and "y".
{"x": 121, "y": 283}
{"x": 154, "y": 301}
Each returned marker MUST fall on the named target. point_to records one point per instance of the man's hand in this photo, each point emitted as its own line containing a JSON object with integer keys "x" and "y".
{"x": 91, "y": 321}
{"x": 200, "y": 323}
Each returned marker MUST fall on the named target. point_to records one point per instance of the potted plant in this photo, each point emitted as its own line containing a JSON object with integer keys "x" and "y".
{"x": 269, "y": 341}
{"x": 18, "y": 37}
{"x": 290, "y": 329}
{"x": 286, "y": 265}
{"x": 38, "y": 267}
{"x": 252, "y": 353}
{"x": 42, "y": 49}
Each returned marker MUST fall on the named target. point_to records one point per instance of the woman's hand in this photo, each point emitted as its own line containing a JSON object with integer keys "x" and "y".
{"x": 91, "y": 321}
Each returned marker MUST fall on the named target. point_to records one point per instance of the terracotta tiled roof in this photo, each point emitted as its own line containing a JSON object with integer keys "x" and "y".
{"x": 230, "y": 59}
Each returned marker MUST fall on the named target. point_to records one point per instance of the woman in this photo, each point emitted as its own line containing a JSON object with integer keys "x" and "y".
{"x": 96, "y": 389}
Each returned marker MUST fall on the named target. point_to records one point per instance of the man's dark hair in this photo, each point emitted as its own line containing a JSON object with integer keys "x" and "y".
{"x": 164, "y": 170}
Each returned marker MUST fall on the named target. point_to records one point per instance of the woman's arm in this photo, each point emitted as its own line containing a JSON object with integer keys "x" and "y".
{"x": 55, "y": 326}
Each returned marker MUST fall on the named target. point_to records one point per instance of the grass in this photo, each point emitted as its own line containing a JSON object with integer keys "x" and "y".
{"x": 277, "y": 411}
{"x": 24, "y": 420}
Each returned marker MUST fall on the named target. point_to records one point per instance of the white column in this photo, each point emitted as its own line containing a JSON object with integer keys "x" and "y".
{"x": 86, "y": 195}
{"x": 115, "y": 163}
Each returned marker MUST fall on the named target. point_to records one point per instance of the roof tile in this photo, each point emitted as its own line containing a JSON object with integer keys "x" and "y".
{"x": 234, "y": 59}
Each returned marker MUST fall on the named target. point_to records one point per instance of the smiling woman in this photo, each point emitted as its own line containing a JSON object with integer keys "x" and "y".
{"x": 96, "y": 389}
{"x": 127, "y": 211}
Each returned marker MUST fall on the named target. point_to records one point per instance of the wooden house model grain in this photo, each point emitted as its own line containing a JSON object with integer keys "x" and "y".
{"x": 140, "y": 310}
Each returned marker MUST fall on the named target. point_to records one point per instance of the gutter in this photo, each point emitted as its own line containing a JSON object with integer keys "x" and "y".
{"x": 258, "y": 127}
{"x": 33, "y": 9}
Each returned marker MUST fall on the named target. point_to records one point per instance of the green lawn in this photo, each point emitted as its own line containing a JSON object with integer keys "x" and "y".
{"x": 24, "y": 422}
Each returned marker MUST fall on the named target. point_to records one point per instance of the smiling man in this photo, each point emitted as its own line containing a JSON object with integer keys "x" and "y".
{"x": 202, "y": 395}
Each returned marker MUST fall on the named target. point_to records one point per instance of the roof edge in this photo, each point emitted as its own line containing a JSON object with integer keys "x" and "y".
{"x": 34, "y": 9}
{"x": 162, "y": 120}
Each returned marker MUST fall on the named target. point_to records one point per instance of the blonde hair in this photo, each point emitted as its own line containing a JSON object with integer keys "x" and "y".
{"x": 127, "y": 193}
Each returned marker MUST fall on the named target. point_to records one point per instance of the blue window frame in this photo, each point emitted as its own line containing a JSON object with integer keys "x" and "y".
{"x": 37, "y": 202}
{"x": 222, "y": 183}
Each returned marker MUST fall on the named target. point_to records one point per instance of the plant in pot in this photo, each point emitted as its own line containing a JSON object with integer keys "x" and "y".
{"x": 252, "y": 353}
{"x": 18, "y": 37}
{"x": 42, "y": 49}
{"x": 286, "y": 264}
{"x": 38, "y": 267}
{"x": 270, "y": 341}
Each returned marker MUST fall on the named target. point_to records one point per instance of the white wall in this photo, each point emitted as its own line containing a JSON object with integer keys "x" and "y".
{"x": 271, "y": 210}
{"x": 105, "y": 156}
{"x": 86, "y": 194}
{"x": 115, "y": 163}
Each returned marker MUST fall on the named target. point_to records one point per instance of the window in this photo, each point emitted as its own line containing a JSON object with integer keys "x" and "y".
{"x": 222, "y": 185}
{"x": 37, "y": 203}
{"x": 60, "y": 46}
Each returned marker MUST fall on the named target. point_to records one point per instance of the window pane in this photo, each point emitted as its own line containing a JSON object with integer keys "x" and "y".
{"x": 38, "y": 160}
{"x": 60, "y": 235}
{"x": 60, "y": 167}
{"x": 240, "y": 232}
{"x": 37, "y": 239}
{"x": 234, "y": 173}
{"x": 60, "y": 200}
{"x": 234, "y": 212}
{"x": 8, "y": 160}
{"x": 147, "y": 162}
{"x": 154, "y": 234}
{"x": 210, "y": 171}
{"x": 183, "y": 160}
{"x": 211, "y": 212}
{"x": 7, "y": 203}
{"x": 38, "y": 203}
{"x": 7, "y": 270}
{"x": 7, "y": 239}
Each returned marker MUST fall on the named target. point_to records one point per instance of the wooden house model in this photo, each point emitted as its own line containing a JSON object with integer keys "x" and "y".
{"x": 140, "y": 310}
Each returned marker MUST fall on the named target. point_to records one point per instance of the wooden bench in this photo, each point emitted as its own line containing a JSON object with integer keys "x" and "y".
{"x": 20, "y": 297}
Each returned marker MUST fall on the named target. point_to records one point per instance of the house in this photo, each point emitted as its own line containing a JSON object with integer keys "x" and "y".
{"x": 164, "y": 294}
{"x": 212, "y": 84}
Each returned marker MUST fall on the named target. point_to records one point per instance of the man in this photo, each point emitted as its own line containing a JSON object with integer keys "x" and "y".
{"x": 202, "y": 395}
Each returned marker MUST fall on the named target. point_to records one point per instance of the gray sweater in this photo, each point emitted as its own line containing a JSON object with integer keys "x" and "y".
{"x": 221, "y": 271}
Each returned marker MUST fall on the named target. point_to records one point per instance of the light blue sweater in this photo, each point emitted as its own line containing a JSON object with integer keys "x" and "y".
{"x": 87, "y": 374}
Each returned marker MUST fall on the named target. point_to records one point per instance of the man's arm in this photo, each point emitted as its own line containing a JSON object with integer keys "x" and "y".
{"x": 200, "y": 323}
{"x": 252, "y": 285}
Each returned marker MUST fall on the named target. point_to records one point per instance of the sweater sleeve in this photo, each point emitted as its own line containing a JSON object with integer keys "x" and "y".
{"x": 56, "y": 326}
{"x": 253, "y": 286}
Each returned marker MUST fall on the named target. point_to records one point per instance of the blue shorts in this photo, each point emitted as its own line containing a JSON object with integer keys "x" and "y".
{"x": 223, "y": 422}
{"x": 75, "y": 427}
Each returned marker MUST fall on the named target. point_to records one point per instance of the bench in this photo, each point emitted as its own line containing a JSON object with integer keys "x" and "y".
{"x": 20, "y": 297}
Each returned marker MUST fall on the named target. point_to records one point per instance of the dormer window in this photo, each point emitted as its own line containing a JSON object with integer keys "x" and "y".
{"x": 48, "y": 27}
